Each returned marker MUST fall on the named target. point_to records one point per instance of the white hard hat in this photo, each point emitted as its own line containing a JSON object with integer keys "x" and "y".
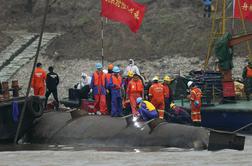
{"x": 155, "y": 78}
{"x": 189, "y": 83}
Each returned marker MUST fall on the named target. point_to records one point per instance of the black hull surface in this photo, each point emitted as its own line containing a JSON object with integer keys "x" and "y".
{"x": 105, "y": 131}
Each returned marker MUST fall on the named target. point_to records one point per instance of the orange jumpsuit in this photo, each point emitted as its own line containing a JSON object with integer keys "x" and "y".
{"x": 38, "y": 82}
{"x": 135, "y": 89}
{"x": 195, "y": 96}
{"x": 157, "y": 94}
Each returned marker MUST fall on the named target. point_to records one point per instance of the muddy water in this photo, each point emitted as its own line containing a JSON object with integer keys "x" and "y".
{"x": 58, "y": 155}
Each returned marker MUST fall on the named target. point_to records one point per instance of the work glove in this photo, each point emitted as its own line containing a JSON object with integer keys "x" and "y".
{"x": 196, "y": 103}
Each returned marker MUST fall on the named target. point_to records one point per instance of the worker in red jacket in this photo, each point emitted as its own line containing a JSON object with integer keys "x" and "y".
{"x": 195, "y": 99}
{"x": 156, "y": 96}
{"x": 134, "y": 90}
{"x": 38, "y": 81}
{"x": 98, "y": 84}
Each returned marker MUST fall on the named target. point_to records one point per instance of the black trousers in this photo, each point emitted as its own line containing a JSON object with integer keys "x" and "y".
{"x": 55, "y": 96}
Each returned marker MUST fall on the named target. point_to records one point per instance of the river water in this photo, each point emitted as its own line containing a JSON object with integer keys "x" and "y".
{"x": 80, "y": 155}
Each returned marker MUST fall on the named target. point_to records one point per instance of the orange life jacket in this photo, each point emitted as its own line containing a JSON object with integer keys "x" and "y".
{"x": 196, "y": 94}
{"x": 117, "y": 81}
{"x": 249, "y": 72}
{"x": 39, "y": 77}
{"x": 166, "y": 91}
{"x": 108, "y": 76}
{"x": 156, "y": 92}
{"x": 99, "y": 78}
{"x": 135, "y": 86}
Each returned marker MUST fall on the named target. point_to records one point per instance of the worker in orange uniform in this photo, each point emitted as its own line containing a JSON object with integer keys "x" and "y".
{"x": 98, "y": 84}
{"x": 247, "y": 79}
{"x": 168, "y": 92}
{"x": 116, "y": 87}
{"x": 195, "y": 99}
{"x": 108, "y": 95}
{"x": 134, "y": 90}
{"x": 38, "y": 81}
{"x": 128, "y": 79}
{"x": 156, "y": 96}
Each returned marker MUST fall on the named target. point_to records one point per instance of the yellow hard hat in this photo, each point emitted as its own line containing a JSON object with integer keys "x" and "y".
{"x": 172, "y": 105}
{"x": 155, "y": 78}
{"x": 167, "y": 78}
{"x": 130, "y": 74}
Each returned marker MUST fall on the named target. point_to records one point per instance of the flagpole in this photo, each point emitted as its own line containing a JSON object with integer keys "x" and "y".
{"x": 21, "y": 118}
{"x": 233, "y": 19}
{"x": 102, "y": 50}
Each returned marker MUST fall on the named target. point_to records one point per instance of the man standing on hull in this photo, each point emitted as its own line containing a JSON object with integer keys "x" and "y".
{"x": 115, "y": 86}
{"x": 52, "y": 81}
{"x": 98, "y": 84}
{"x": 38, "y": 81}
{"x": 135, "y": 89}
{"x": 156, "y": 96}
{"x": 195, "y": 99}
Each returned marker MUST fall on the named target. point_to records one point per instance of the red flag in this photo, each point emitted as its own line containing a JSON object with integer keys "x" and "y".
{"x": 246, "y": 9}
{"x": 125, "y": 11}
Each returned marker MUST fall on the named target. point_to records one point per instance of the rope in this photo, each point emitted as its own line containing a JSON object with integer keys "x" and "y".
{"x": 240, "y": 129}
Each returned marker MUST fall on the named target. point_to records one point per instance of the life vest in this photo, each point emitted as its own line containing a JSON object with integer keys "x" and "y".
{"x": 99, "y": 78}
{"x": 148, "y": 105}
{"x": 196, "y": 94}
{"x": 38, "y": 79}
{"x": 108, "y": 76}
{"x": 117, "y": 81}
{"x": 166, "y": 91}
{"x": 249, "y": 72}
{"x": 156, "y": 92}
{"x": 135, "y": 86}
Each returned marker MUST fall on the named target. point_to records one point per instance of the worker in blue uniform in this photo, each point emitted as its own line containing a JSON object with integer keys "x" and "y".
{"x": 147, "y": 111}
{"x": 207, "y": 7}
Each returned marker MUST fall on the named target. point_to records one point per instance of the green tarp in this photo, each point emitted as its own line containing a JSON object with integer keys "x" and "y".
{"x": 223, "y": 52}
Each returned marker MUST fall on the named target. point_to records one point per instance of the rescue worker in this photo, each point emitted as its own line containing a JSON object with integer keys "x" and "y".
{"x": 207, "y": 7}
{"x": 108, "y": 96}
{"x": 38, "y": 81}
{"x": 84, "y": 85}
{"x": 195, "y": 99}
{"x": 135, "y": 89}
{"x": 98, "y": 85}
{"x": 168, "y": 92}
{"x": 115, "y": 86}
{"x": 156, "y": 96}
{"x": 247, "y": 79}
{"x": 128, "y": 79}
{"x": 146, "y": 109}
{"x": 85, "y": 80}
{"x": 52, "y": 81}
{"x": 179, "y": 115}
{"x": 131, "y": 67}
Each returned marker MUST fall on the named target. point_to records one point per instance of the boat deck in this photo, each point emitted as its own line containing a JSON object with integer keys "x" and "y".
{"x": 239, "y": 106}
